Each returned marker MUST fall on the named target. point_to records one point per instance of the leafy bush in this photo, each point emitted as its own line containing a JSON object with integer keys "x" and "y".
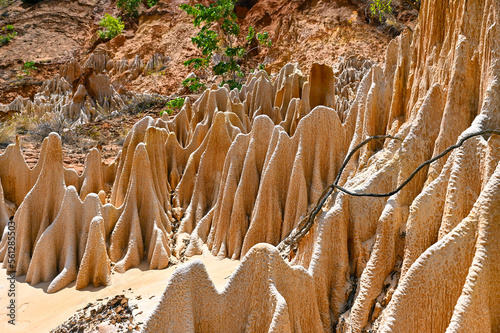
{"x": 175, "y": 104}
{"x": 220, "y": 34}
{"x": 28, "y": 66}
{"x": 380, "y": 7}
{"x": 112, "y": 27}
{"x": 131, "y": 7}
{"x": 151, "y": 3}
{"x": 10, "y": 33}
{"x": 193, "y": 84}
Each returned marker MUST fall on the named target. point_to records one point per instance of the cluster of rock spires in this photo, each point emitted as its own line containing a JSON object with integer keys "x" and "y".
{"x": 82, "y": 92}
{"x": 124, "y": 212}
{"x": 239, "y": 168}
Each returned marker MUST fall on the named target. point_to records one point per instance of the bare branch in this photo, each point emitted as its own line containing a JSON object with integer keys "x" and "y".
{"x": 290, "y": 242}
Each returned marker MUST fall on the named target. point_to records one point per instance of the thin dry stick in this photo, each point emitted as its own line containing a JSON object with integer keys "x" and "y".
{"x": 306, "y": 224}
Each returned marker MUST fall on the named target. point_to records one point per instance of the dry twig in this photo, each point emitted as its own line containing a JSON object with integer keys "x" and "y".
{"x": 290, "y": 242}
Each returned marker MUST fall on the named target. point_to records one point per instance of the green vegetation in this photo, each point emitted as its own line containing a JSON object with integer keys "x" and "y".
{"x": 220, "y": 35}
{"x": 112, "y": 27}
{"x": 175, "y": 104}
{"x": 28, "y": 66}
{"x": 5, "y": 3}
{"x": 6, "y": 34}
{"x": 131, "y": 7}
{"x": 151, "y": 3}
{"x": 193, "y": 84}
{"x": 380, "y": 7}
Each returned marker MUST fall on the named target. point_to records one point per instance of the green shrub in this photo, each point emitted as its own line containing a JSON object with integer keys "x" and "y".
{"x": 175, "y": 104}
{"x": 151, "y": 3}
{"x": 220, "y": 16}
{"x": 193, "y": 84}
{"x": 9, "y": 34}
{"x": 28, "y": 66}
{"x": 131, "y": 7}
{"x": 112, "y": 27}
{"x": 380, "y": 8}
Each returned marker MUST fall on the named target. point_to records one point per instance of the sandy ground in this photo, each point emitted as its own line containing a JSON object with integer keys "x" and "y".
{"x": 38, "y": 311}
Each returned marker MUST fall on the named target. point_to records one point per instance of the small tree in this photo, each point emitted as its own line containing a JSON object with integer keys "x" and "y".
{"x": 220, "y": 34}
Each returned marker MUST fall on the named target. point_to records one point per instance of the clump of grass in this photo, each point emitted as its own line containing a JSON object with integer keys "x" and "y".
{"x": 7, "y": 133}
{"x": 56, "y": 124}
{"x": 23, "y": 122}
{"x": 19, "y": 123}
{"x": 139, "y": 103}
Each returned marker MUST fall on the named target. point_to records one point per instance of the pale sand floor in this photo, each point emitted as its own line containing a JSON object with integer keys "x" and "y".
{"x": 38, "y": 311}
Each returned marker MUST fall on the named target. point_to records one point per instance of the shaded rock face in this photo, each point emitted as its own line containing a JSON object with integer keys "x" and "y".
{"x": 236, "y": 169}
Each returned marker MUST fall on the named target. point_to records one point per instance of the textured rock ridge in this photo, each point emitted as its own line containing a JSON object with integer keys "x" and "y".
{"x": 81, "y": 92}
{"x": 276, "y": 305}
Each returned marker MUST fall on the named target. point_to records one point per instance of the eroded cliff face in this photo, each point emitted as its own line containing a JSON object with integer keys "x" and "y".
{"x": 80, "y": 78}
{"x": 238, "y": 168}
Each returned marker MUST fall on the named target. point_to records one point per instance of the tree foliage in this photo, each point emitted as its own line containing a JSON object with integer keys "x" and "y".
{"x": 221, "y": 35}
{"x": 193, "y": 84}
{"x": 380, "y": 7}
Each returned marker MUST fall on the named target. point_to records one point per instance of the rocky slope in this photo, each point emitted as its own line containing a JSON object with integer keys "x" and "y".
{"x": 94, "y": 78}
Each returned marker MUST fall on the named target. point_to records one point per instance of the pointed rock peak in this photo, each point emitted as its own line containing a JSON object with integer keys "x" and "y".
{"x": 95, "y": 266}
{"x": 53, "y": 155}
{"x": 261, "y": 124}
